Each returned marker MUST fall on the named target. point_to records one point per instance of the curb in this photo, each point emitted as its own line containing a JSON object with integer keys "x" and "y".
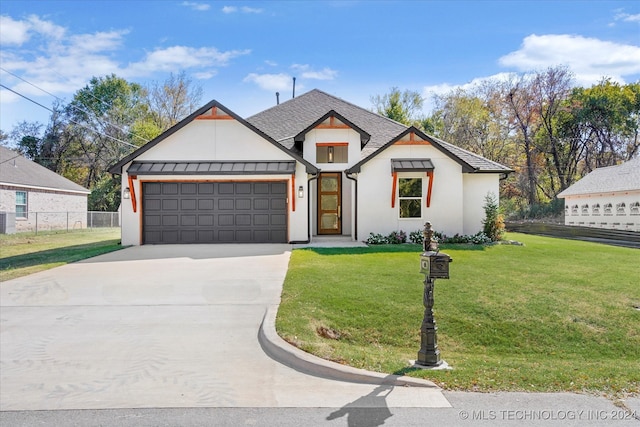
{"x": 285, "y": 353}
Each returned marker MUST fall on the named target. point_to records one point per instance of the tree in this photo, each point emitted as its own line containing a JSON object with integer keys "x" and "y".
{"x": 607, "y": 119}
{"x": 173, "y": 100}
{"x": 551, "y": 89}
{"x": 520, "y": 102}
{"x": 403, "y": 107}
{"x": 100, "y": 122}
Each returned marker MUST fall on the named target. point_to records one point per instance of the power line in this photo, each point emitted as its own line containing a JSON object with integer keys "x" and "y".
{"x": 77, "y": 108}
{"x": 72, "y": 121}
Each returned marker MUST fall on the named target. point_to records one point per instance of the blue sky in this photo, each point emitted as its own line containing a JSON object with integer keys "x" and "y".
{"x": 241, "y": 53}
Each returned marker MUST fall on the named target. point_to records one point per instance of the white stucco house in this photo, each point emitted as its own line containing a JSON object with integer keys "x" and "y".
{"x": 31, "y": 194}
{"x": 607, "y": 197}
{"x": 312, "y": 166}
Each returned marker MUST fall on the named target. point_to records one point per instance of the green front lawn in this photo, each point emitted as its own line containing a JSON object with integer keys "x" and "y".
{"x": 27, "y": 253}
{"x": 553, "y": 315}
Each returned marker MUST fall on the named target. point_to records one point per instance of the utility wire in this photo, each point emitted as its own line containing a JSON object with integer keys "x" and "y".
{"x": 77, "y": 108}
{"x": 72, "y": 121}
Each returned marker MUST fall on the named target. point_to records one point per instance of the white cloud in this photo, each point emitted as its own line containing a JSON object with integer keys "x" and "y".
{"x": 196, "y": 6}
{"x": 243, "y": 9}
{"x": 247, "y": 9}
{"x": 13, "y": 32}
{"x": 626, "y": 17}
{"x": 205, "y": 75}
{"x": 16, "y": 33}
{"x": 590, "y": 59}
{"x": 308, "y": 73}
{"x": 43, "y": 53}
{"x": 271, "y": 82}
{"x": 429, "y": 92}
{"x": 183, "y": 57}
{"x": 271, "y": 63}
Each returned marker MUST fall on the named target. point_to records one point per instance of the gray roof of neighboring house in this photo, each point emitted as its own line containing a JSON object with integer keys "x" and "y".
{"x": 624, "y": 177}
{"x": 284, "y": 121}
{"x": 19, "y": 171}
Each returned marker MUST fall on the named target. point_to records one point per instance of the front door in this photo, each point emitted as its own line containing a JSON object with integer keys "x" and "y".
{"x": 329, "y": 203}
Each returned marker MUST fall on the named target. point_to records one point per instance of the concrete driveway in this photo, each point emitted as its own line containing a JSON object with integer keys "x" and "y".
{"x": 162, "y": 326}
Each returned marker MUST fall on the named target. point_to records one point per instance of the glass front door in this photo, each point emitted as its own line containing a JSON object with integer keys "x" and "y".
{"x": 329, "y": 203}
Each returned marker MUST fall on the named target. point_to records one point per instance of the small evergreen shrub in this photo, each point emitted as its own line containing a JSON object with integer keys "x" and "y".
{"x": 493, "y": 223}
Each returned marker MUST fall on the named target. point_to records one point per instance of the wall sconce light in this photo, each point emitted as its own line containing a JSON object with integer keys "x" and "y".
{"x": 126, "y": 194}
{"x": 300, "y": 192}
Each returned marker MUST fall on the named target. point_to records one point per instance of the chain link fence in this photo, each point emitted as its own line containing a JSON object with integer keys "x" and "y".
{"x": 36, "y": 222}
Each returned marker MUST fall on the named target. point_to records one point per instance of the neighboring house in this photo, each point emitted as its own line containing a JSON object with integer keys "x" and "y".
{"x": 31, "y": 193}
{"x": 607, "y": 197}
{"x": 314, "y": 165}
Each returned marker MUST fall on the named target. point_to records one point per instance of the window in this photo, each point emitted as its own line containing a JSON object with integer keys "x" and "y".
{"x": 410, "y": 196}
{"x": 585, "y": 209}
{"x": 596, "y": 209}
{"x": 635, "y": 208}
{"x": 574, "y": 210}
{"x": 330, "y": 153}
{"x": 621, "y": 209}
{"x": 21, "y": 204}
{"x": 608, "y": 208}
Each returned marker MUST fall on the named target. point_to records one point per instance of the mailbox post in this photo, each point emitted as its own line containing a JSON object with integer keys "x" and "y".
{"x": 434, "y": 265}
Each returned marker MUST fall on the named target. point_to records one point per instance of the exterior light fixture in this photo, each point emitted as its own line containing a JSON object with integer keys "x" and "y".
{"x": 126, "y": 194}
{"x": 300, "y": 192}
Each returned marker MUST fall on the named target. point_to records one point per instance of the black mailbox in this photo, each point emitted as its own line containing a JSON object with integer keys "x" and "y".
{"x": 435, "y": 265}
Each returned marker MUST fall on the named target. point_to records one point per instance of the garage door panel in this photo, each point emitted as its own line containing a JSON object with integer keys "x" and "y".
{"x": 243, "y": 220}
{"x": 189, "y": 188}
{"x": 206, "y": 204}
{"x": 153, "y": 205}
{"x": 261, "y": 188}
{"x": 169, "y": 188}
{"x": 188, "y": 204}
{"x": 205, "y": 220}
{"x": 169, "y": 220}
{"x": 243, "y": 204}
{"x": 170, "y": 205}
{"x": 225, "y": 188}
{"x": 187, "y": 220}
{"x": 278, "y": 236}
{"x": 226, "y": 204}
{"x": 214, "y": 212}
{"x": 188, "y": 236}
{"x": 205, "y": 188}
{"x": 278, "y": 220}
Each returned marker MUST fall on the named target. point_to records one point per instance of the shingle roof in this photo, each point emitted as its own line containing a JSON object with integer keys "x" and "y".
{"x": 283, "y": 122}
{"x": 624, "y": 177}
{"x": 19, "y": 171}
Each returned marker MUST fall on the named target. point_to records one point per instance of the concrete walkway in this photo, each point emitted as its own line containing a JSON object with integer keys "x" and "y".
{"x": 168, "y": 326}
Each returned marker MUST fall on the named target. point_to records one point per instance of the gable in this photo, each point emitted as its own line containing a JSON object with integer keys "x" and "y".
{"x": 297, "y": 116}
{"x": 202, "y": 135}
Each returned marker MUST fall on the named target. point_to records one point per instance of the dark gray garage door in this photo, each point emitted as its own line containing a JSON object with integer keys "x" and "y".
{"x": 214, "y": 212}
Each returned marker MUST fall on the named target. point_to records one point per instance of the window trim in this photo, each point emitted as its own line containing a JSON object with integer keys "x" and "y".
{"x": 25, "y": 204}
{"x": 419, "y": 198}
{"x": 330, "y": 154}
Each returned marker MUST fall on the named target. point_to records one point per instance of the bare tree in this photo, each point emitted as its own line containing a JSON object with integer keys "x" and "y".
{"x": 173, "y": 100}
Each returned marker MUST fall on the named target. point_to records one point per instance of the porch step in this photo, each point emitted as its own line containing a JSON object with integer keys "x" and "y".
{"x": 331, "y": 242}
